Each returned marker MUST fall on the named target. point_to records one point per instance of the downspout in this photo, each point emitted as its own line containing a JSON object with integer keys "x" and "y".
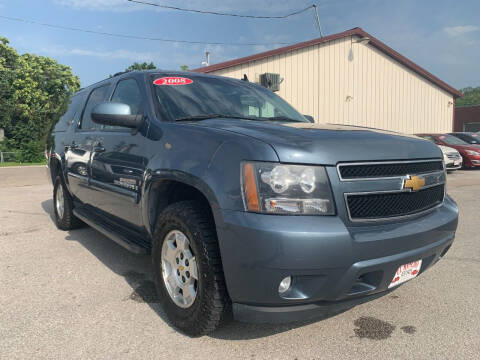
{"x": 453, "y": 116}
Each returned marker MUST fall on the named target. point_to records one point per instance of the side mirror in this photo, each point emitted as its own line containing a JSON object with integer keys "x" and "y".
{"x": 309, "y": 118}
{"x": 116, "y": 114}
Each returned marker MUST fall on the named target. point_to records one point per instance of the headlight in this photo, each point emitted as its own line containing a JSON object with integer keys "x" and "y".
{"x": 286, "y": 189}
{"x": 473, "y": 153}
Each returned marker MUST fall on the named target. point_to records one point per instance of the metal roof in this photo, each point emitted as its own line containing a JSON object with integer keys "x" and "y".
{"x": 353, "y": 32}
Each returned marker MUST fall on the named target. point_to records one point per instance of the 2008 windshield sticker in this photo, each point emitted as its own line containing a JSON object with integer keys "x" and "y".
{"x": 172, "y": 80}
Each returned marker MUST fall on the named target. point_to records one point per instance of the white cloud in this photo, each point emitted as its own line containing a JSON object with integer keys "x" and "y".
{"x": 103, "y": 5}
{"x": 193, "y": 57}
{"x": 460, "y": 30}
{"x": 102, "y": 54}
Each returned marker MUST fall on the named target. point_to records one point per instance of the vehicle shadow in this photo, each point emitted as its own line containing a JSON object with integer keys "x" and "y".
{"x": 136, "y": 270}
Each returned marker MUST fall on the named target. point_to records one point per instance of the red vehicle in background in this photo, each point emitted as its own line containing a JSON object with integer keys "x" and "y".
{"x": 470, "y": 152}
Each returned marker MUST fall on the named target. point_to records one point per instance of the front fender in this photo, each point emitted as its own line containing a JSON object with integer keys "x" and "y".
{"x": 214, "y": 171}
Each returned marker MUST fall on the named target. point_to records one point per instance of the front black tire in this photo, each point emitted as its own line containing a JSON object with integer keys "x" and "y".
{"x": 211, "y": 304}
{"x": 64, "y": 218}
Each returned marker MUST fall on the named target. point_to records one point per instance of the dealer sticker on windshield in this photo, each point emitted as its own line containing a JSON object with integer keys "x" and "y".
{"x": 172, "y": 80}
{"x": 406, "y": 272}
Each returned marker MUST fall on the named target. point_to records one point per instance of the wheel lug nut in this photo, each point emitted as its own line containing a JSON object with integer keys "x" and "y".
{"x": 186, "y": 262}
{"x": 188, "y": 274}
{"x": 177, "y": 260}
{"x": 181, "y": 256}
{"x": 183, "y": 278}
{"x": 178, "y": 272}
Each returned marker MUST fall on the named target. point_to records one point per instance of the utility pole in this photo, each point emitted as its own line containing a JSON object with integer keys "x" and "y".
{"x": 207, "y": 62}
{"x": 317, "y": 19}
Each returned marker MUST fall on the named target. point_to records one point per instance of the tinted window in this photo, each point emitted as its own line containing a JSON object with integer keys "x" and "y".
{"x": 471, "y": 139}
{"x": 73, "y": 107}
{"x": 96, "y": 97}
{"x": 128, "y": 92}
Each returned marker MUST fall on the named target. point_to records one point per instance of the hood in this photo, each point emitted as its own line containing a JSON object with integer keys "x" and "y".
{"x": 447, "y": 150}
{"x": 465, "y": 147}
{"x": 327, "y": 144}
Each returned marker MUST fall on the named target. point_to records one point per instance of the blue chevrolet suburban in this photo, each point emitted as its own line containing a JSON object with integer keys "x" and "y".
{"x": 245, "y": 205}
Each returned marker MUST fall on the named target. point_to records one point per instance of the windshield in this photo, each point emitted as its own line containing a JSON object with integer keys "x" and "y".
{"x": 190, "y": 97}
{"x": 470, "y": 138}
{"x": 451, "y": 140}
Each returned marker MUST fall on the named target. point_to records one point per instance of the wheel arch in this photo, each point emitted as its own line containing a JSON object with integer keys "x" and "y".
{"x": 167, "y": 187}
{"x": 55, "y": 167}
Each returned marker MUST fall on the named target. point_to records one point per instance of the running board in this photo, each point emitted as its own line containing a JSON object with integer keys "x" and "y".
{"x": 122, "y": 236}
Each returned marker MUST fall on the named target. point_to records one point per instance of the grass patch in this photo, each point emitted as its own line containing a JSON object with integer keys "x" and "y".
{"x": 8, "y": 164}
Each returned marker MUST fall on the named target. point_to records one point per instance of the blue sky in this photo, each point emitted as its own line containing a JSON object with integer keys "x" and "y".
{"x": 441, "y": 36}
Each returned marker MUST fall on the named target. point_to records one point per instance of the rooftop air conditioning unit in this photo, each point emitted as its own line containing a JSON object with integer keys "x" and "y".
{"x": 271, "y": 81}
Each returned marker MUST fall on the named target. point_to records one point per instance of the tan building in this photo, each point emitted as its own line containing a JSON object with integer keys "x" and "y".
{"x": 352, "y": 78}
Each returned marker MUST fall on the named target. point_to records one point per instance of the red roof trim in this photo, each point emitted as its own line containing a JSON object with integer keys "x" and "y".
{"x": 356, "y": 31}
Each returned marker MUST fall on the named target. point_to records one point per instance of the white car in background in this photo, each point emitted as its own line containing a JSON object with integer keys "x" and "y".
{"x": 453, "y": 159}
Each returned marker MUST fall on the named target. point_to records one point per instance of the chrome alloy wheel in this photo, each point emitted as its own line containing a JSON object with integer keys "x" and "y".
{"x": 179, "y": 269}
{"x": 60, "y": 202}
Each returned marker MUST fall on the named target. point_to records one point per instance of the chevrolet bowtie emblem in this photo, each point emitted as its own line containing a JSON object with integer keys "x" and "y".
{"x": 414, "y": 183}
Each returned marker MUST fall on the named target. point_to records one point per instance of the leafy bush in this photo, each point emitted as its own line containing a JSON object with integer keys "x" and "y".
{"x": 34, "y": 93}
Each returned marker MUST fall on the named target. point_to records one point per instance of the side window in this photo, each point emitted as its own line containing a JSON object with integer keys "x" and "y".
{"x": 73, "y": 107}
{"x": 128, "y": 92}
{"x": 96, "y": 97}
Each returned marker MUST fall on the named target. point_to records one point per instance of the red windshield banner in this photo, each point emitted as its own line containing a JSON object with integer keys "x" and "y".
{"x": 172, "y": 80}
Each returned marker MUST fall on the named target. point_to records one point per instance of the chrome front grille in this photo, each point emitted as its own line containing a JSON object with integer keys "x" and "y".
{"x": 353, "y": 171}
{"x": 376, "y": 191}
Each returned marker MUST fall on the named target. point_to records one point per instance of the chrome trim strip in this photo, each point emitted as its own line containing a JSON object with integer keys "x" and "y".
{"x": 382, "y": 219}
{"x": 454, "y": 167}
{"x": 385, "y": 162}
{"x": 80, "y": 177}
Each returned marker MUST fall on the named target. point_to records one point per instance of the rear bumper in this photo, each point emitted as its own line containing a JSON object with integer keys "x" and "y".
{"x": 332, "y": 266}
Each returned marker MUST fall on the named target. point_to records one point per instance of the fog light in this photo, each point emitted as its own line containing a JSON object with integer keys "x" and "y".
{"x": 285, "y": 284}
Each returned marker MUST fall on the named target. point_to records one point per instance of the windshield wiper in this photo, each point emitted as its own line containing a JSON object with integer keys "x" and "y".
{"x": 244, "y": 117}
{"x": 207, "y": 116}
{"x": 280, "y": 118}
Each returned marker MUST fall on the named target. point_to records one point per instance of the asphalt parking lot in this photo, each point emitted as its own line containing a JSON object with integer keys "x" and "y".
{"x": 79, "y": 295}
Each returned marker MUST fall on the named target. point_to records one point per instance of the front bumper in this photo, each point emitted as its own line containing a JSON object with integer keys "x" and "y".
{"x": 450, "y": 165}
{"x": 332, "y": 265}
{"x": 471, "y": 161}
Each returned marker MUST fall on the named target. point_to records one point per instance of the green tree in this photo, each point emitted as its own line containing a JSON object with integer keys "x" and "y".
{"x": 8, "y": 65}
{"x": 184, "y": 67}
{"x": 471, "y": 96}
{"x": 37, "y": 96}
{"x": 141, "y": 66}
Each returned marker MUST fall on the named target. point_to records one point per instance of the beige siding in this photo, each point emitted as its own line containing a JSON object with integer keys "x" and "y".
{"x": 351, "y": 83}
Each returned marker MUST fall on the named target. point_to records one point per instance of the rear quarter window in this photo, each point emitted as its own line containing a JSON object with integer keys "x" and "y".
{"x": 67, "y": 119}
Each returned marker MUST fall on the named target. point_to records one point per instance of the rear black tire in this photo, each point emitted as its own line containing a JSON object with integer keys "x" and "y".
{"x": 212, "y": 303}
{"x": 65, "y": 221}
